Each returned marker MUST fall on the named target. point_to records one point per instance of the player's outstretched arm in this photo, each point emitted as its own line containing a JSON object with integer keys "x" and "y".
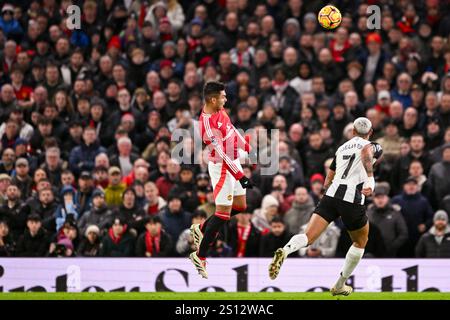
{"x": 367, "y": 162}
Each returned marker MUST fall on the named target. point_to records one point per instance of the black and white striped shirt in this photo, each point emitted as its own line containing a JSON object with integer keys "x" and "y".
{"x": 350, "y": 173}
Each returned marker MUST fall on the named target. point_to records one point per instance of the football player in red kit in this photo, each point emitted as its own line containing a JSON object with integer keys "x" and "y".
{"x": 225, "y": 170}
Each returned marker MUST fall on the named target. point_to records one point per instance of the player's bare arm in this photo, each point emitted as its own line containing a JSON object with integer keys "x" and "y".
{"x": 329, "y": 179}
{"x": 367, "y": 162}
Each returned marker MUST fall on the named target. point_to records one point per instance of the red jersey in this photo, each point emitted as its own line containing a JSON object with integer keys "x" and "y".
{"x": 224, "y": 140}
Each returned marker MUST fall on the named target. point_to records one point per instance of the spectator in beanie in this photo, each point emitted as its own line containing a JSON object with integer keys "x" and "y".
{"x": 118, "y": 242}
{"x": 299, "y": 214}
{"x": 115, "y": 189}
{"x": 416, "y": 211}
{"x": 7, "y": 245}
{"x": 34, "y": 241}
{"x": 317, "y": 180}
{"x": 388, "y": 219}
{"x": 90, "y": 244}
{"x": 99, "y": 214}
{"x": 22, "y": 179}
{"x": 12, "y": 212}
{"x": 436, "y": 242}
{"x": 130, "y": 211}
{"x": 262, "y": 217}
{"x": 243, "y": 236}
{"x": 185, "y": 244}
{"x": 174, "y": 218}
{"x": 185, "y": 188}
{"x": 154, "y": 242}
{"x": 83, "y": 157}
{"x": 276, "y": 238}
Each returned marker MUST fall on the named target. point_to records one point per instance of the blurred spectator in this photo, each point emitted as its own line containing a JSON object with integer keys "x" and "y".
{"x": 98, "y": 215}
{"x": 243, "y": 236}
{"x": 154, "y": 203}
{"x": 154, "y": 242}
{"x": 68, "y": 209}
{"x": 276, "y": 238}
{"x": 168, "y": 180}
{"x": 12, "y": 213}
{"x": 22, "y": 179}
{"x": 83, "y": 156}
{"x": 84, "y": 192}
{"x": 7, "y": 246}
{"x": 174, "y": 218}
{"x": 90, "y": 244}
{"x": 130, "y": 212}
{"x": 118, "y": 242}
{"x": 115, "y": 189}
{"x": 34, "y": 241}
{"x": 388, "y": 219}
{"x": 262, "y": 216}
{"x": 435, "y": 243}
{"x": 416, "y": 211}
{"x": 325, "y": 246}
{"x": 437, "y": 178}
{"x": 302, "y": 208}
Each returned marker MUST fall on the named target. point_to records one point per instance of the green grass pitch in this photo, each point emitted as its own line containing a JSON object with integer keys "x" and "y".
{"x": 223, "y": 296}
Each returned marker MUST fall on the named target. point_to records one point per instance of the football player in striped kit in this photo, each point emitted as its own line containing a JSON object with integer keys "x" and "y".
{"x": 349, "y": 181}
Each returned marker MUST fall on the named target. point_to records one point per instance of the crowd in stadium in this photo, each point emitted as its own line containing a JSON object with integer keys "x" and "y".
{"x": 87, "y": 116}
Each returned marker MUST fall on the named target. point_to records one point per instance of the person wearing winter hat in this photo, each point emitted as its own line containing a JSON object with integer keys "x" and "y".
{"x": 99, "y": 214}
{"x": 90, "y": 244}
{"x": 174, "y": 218}
{"x": 68, "y": 207}
{"x": 262, "y": 217}
{"x": 436, "y": 242}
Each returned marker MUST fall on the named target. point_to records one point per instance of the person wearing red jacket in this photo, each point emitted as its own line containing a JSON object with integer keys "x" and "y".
{"x": 224, "y": 167}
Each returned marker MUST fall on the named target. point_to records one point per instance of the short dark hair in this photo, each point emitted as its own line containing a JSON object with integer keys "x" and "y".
{"x": 212, "y": 88}
{"x": 276, "y": 219}
{"x": 152, "y": 219}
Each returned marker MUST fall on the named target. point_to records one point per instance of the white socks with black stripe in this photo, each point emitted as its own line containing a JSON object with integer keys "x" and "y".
{"x": 352, "y": 259}
{"x": 296, "y": 243}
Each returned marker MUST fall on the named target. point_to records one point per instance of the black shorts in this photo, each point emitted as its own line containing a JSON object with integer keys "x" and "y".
{"x": 353, "y": 215}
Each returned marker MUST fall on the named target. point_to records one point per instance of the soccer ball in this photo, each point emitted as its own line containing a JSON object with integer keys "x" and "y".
{"x": 329, "y": 17}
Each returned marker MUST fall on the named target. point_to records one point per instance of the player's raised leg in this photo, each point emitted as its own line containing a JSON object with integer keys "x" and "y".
{"x": 215, "y": 224}
{"x": 315, "y": 227}
{"x": 354, "y": 255}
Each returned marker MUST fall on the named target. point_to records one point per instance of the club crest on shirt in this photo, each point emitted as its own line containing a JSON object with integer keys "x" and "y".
{"x": 229, "y": 197}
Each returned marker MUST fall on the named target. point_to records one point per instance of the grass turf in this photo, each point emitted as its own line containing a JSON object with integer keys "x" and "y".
{"x": 223, "y": 296}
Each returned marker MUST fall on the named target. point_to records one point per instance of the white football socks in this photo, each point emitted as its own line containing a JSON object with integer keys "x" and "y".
{"x": 296, "y": 243}
{"x": 352, "y": 259}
